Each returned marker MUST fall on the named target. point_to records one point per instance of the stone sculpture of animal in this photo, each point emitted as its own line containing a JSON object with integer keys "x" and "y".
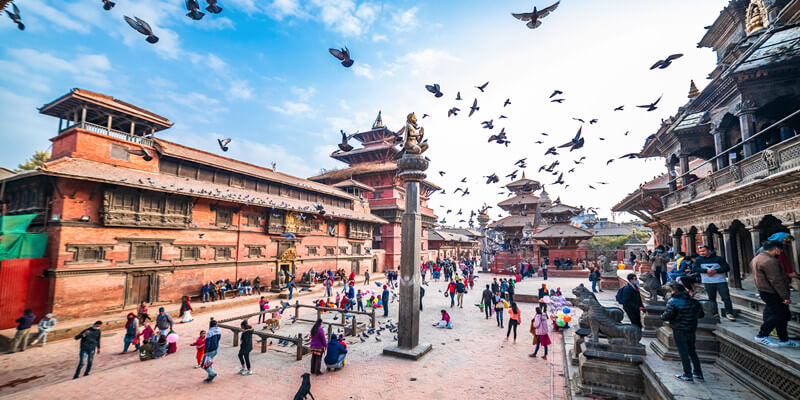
{"x": 594, "y": 315}
{"x": 581, "y": 293}
{"x": 653, "y": 286}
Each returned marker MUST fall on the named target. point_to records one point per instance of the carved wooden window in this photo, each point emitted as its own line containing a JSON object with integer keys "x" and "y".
{"x": 169, "y": 167}
{"x": 312, "y": 250}
{"x": 342, "y": 250}
{"x": 359, "y": 230}
{"x": 190, "y": 253}
{"x": 125, "y": 200}
{"x": 176, "y": 205}
{"x": 330, "y": 250}
{"x": 145, "y": 252}
{"x": 29, "y": 196}
{"x": 87, "y": 253}
{"x": 275, "y": 226}
{"x": 223, "y": 252}
{"x": 152, "y": 202}
{"x": 224, "y": 216}
{"x": 356, "y": 248}
{"x": 252, "y": 220}
{"x": 255, "y": 251}
{"x": 237, "y": 180}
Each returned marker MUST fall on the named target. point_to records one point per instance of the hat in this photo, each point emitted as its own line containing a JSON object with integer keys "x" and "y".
{"x": 160, "y": 309}
{"x": 780, "y": 237}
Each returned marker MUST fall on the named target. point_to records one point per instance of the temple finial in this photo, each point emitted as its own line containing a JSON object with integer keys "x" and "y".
{"x": 378, "y": 122}
{"x": 523, "y": 174}
{"x": 693, "y": 92}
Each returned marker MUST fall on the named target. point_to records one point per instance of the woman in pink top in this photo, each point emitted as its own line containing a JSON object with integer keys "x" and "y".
{"x": 445, "y": 322}
{"x": 539, "y": 331}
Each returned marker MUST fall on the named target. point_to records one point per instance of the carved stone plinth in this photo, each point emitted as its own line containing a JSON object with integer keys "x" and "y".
{"x": 611, "y": 371}
{"x": 706, "y": 344}
{"x": 652, "y": 318}
{"x": 643, "y": 266}
{"x": 609, "y": 282}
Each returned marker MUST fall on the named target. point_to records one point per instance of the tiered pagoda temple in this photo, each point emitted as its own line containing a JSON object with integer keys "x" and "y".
{"x": 372, "y": 172}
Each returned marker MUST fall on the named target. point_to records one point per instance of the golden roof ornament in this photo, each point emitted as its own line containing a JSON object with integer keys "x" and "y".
{"x": 378, "y": 122}
{"x": 756, "y": 17}
{"x": 693, "y": 92}
{"x": 414, "y": 143}
{"x": 523, "y": 174}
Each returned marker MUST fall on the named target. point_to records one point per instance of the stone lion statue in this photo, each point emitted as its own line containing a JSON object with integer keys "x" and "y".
{"x": 582, "y": 293}
{"x": 598, "y": 320}
{"x": 653, "y": 286}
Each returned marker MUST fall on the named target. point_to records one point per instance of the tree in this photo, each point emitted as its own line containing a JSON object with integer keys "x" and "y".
{"x": 37, "y": 160}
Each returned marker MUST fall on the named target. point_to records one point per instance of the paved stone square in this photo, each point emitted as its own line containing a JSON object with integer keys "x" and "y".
{"x": 471, "y": 360}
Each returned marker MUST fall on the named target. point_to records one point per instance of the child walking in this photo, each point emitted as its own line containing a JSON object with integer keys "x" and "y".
{"x": 200, "y": 345}
{"x": 539, "y": 331}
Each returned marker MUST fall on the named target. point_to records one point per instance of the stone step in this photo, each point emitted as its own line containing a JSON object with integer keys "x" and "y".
{"x": 773, "y": 372}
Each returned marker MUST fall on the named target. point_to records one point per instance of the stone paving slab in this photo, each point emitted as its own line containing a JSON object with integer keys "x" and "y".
{"x": 470, "y": 361}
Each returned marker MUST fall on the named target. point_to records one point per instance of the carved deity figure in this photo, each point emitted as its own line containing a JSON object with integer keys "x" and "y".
{"x": 414, "y": 143}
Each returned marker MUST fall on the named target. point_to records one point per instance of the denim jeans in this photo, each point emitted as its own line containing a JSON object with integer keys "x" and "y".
{"x": 89, "y": 356}
{"x": 499, "y": 315}
{"x": 338, "y": 363}
{"x": 487, "y": 309}
{"x": 661, "y": 274}
{"x": 685, "y": 341}
{"x": 594, "y": 286}
{"x": 776, "y": 316}
{"x": 536, "y": 350}
{"x": 722, "y": 288}
{"x": 127, "y": 343}
{"x": 291, "y": 290}
{"x": 205, "y": 297}
{"x": 361, "y": 305}
{"x": 209, "y": 358}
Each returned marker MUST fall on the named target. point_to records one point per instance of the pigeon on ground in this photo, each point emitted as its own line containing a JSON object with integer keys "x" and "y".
{"x": 343, "y": 55}
{"x": 142, "y": 27}
{"x": 534, "y": 17}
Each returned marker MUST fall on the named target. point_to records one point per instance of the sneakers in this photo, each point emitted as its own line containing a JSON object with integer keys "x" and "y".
{"x": 684, "y": 378}
{"x": 788, "y": 343}
{"x": 247, "y": 372}
{"x": 198, "y": 366}
{"x": 698, "y": 378}
{"x": 730, "y": 317}
{"x": 766, "y": 341}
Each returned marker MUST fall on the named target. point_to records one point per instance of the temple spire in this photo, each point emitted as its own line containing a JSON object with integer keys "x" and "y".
{"x": 378, "y": 122}
{"x": 693, "y": 92}
{"x": 523, "y": 174}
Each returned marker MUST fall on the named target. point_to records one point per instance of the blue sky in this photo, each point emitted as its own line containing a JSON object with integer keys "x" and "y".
{"x": 260, "y": 73}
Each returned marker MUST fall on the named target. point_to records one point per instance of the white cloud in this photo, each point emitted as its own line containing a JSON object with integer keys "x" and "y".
{"x": 240, "y": 89}
{"x": 345, "y": 17}
{"x": 303, "y": 94}
{"x": 363, "y": 70}
{"x": 291, "y": 108}
{"x": 280, "y": 9}
{"x": 404, "y": 21}
{"x": 89, "y": 69}
{"x": 379, "y": 38}
{"x": 54, "y": 16}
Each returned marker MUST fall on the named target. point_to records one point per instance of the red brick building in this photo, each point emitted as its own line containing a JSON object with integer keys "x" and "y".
{"x": 132, "y": 218}
{"x": 373, "y": 168}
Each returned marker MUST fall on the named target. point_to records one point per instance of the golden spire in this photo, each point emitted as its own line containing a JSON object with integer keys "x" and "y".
{"x": 523, "y": 174}
{"x": 378, "y": 122}
{"x": 693, "y": 92}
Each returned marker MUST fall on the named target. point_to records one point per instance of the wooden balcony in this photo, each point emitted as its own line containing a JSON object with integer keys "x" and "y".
{"x": 144, "y": 141}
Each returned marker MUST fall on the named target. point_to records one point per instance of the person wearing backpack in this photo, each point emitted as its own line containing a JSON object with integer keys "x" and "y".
{"x": 631, "y": 300}
{"x": 498, "y": 308}
{"x": 594, "y": 276}
{"x": 460, "y": 290}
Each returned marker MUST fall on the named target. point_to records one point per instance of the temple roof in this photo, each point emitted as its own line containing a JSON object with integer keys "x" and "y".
{"x": 378, "y": 152}
{"x": 513, "y": 221}
{"x": 449, "y": 236}
{"x": 75, "y": 168}
{"x": 782, "y": 46}
{"x": 561, "y": 209}
{"x": 353, "y": 183}
{"x": 520, "y": 199}
{"x": 62, "y": 106}
{"x": 522, "y": 183}
{"x": 356, "y": 170}
{"x": 559, "y": 231}
{"x": 201, "y": 157}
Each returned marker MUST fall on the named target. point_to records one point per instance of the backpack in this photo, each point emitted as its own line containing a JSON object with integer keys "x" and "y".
{"x": 619, "y": 295}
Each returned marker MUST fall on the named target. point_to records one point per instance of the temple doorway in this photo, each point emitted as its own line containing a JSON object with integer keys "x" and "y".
{"x": 286, "y": 271}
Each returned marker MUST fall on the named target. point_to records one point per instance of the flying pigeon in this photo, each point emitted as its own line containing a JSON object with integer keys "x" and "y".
{"x": 15, "y": 17}
{"x": 194, "y": 10}
{"x": 458, "y": 96}
{"x": 661, "y": 64}
{"x": 576, "y": 142}
{"x": 534, "y": 18}
{"x": 482, "y": 87}
{"x": 474, "y": 107}
{"x": 651, "y": 106}
{"x": 488, "y": 124}
{"x": 559, "y": 101}
{"x": 453, "y": 111}
{"x": 507, "y": 102}
{"x": 435, "y": 90}
{"x": 620, "y": 108}
{"x": 107, "y": 5}
{"x": 223, "y": 143}
{"x": 343, "y": 55}
{"x": 213, "y": 7}
{"x": 141, "y": 152}
{"x": 142, "y": 27}
{"x": 344, "y": 146}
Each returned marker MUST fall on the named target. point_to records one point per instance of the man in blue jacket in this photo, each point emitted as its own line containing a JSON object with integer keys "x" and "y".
{"x": 334, "y": 359}
{"x": 385, "y": 300}
{"x": 24, "y": 324}
{"x": 212, "y": 345}
{"x": 90, "y": 343}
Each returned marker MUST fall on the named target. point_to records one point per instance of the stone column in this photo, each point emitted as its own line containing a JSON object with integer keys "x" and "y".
{"x": 708, "y": 239}
{"x": 483, "y": 221}
{"x": 411, "y": 169}
{"x": 732, "y": 257}
{"x": 719, "y": 147}
{"x": 691, "y": 243}
{"x": 795, "y": 259}
{"x": 747, "y": 125}
{"x": 755, "y": 238}
{"x": 676, "y": 243}
{"x": 684, "y": 160}
{"x": 673, "y": 185}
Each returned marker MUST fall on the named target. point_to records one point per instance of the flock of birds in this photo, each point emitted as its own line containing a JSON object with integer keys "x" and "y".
{"x": 533, "y": 20}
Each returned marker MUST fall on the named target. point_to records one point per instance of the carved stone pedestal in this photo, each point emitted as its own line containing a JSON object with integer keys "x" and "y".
{"x": 611, "y": 370}
{"x": 652, "y": 318}
{"x": 706, "y": 344}
{"x": 643, "y": 266}
{"x": 608, "y": 281}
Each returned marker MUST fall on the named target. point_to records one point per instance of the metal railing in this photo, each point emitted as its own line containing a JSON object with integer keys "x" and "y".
{"x": 144, "y": 141}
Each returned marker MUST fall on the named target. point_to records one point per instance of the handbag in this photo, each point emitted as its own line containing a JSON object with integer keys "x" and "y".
{"x": 446, "y": 294}
{"x": 535, "y": 339}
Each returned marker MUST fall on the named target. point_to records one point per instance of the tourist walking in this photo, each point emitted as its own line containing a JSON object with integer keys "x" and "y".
{"x": 200, "y": 348}
{"x": 131, "y": 333}
{"x": 245, "y": 347}
{"x": 45, "y": 326}
{"x": 660, "y": 264}
{"x": 544, "y": 271}
{"x": 366, "y": 277}
{"x": 163, "y": 320}
{"x": 385, "y": 300}
{"x": 327, "y": 284}
{"x": 317, "y": 347}
{"x": 631, "y": 300}
{"x": 539, "y": 330}
{"x": 773, "y": 288}
{"x": 142, "y": 312}
{"x": 360, "y": 300}
{"x": 451, "y": 291}
{"x": 486, "y": 299}
{"x": 24, "y": 324}
{"x": 514, "y": 319}
{"x": 594, "y": 276}
{"x": 510, "y": 290}
{"x": 460, "y": 290}
{"x": 682, "y": 313}
{"x": 498, "y": 309}
{"x": 211, "y": 346}
{"x": 186, "y": 310}
{"x": 712, "y": 269}
{"x": 90, "y": 344}
{"x": 262, "y": 306}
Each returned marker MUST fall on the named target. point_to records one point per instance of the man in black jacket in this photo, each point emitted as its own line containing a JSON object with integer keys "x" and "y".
{"x": 486, "y": 298}
{"x": 682, "y": 313}
{"x": 712, "y": 269}
{"x": 90, "y": 342}
{"x": 632, "y": 300}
